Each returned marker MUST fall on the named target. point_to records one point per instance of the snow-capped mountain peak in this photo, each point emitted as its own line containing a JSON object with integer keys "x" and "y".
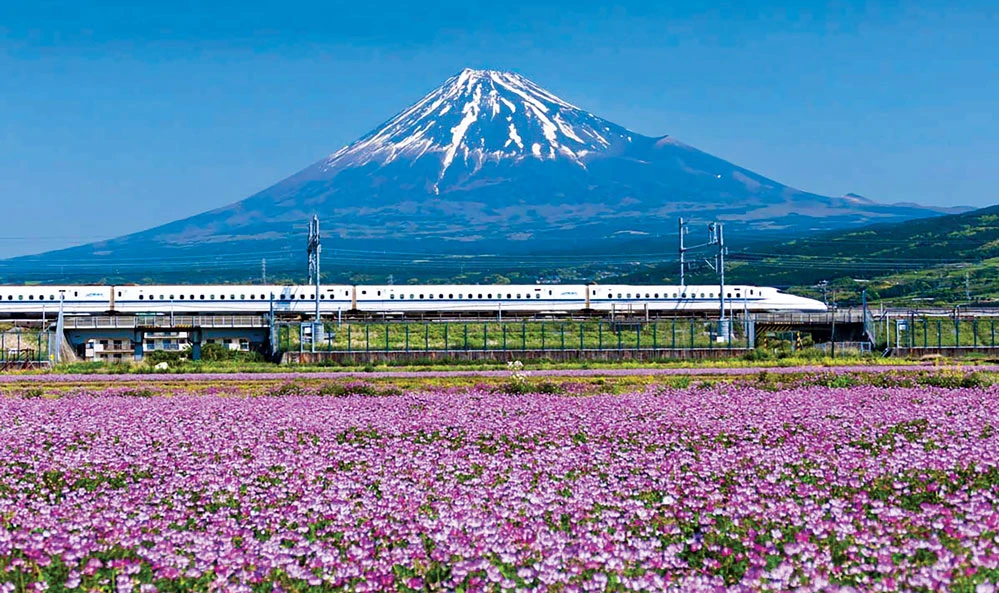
{"x": 482, "y": 116}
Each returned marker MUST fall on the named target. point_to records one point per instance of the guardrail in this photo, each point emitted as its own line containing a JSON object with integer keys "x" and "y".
{"x": 845, "y": 316}
{"x": 165, "y": 321}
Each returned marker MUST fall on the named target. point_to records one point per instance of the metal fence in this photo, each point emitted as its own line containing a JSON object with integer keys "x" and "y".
{"x": 449, "y": 336}
{"x": 22, "y": 348}
{"x": 939, "y": 332}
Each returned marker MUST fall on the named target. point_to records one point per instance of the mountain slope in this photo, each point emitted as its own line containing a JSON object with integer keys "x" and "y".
{"x": 489, "y": 162}
{"x": 968, "y": 235}
{"x": 944, "y": 260}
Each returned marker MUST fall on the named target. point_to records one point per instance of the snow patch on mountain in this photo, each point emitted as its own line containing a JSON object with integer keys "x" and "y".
{"x": 478, "y": 116}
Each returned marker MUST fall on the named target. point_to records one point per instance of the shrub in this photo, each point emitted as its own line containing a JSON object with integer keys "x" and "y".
{"x": 155, "y": 357}
{"x": 344, "y": 389}
{"x": 757, "y": 354}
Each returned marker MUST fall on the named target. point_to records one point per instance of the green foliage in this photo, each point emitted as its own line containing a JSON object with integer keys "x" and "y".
{"x": 220, "y": 352}
{"x": 333, "y": 389}
{"x": 155, "y": 357}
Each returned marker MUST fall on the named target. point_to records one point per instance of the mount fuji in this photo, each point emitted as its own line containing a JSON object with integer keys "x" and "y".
{"x": 490, "y": 162}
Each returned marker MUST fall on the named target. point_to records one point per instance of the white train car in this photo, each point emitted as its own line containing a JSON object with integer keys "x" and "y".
{"x": 472, "y": 298}
{"x": 696, "y": 299}
{"x": 230, "y": 299}
{"x": 36, "y": 301}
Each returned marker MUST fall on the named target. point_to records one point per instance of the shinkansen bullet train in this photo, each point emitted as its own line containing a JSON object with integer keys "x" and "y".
{"x": 35, "y": 301}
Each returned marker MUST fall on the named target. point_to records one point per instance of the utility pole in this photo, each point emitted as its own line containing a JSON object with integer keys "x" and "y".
{"x": 314, "y": 250}
{"x": 718, "y": 238}
{"x": 967, "y": 288}
{"x": 263, "y": 271}
{"x": 60, "y": 328}
{"x": 683, "y": 250}
{"x": 832, "y": 332}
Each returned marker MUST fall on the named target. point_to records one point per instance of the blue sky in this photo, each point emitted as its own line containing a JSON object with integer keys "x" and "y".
{"x": 117, "y": 116}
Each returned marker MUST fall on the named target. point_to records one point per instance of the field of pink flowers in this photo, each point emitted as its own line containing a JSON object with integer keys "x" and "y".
{"x": 723, "y": 487}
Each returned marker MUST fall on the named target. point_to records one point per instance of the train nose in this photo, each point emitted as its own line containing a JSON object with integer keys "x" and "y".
{"x": 810, "y": 305}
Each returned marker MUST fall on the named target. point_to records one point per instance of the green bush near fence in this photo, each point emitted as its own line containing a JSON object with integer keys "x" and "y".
{"x": 518, "y": 335}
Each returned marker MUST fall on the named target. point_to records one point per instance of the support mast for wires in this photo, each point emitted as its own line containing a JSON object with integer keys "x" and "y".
{"x": 315, "y": 250}
{"x": 716, "y": 237}
{"x": 683, "y": 250}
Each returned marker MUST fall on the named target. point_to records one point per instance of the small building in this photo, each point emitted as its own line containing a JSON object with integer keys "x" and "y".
{"x": 109, "y": 349}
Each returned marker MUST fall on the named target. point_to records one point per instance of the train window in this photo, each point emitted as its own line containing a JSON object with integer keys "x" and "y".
{"x": 711, "y": 295}
{"x": 20, "y": 297}
{"x": 322, "y": 297}
{"x": 549, "y": 293}
{"x": 140, "y": 297}
{"x": 301, "y": 296}
{"x": 31, "y": 297}
{"x": 750, "y": 292}
{"x": 489, "y": 296}
{"x": 537, "y": 296}
{"x": 76, "y": 294}
{"x": 242, "y": 297}
{"x": 421, "y": 296}
{"x": 431, "y": 296}
{"x": 629, "y": 295}
{"x": 450, "y": 296}
{"x": 51, "y": 297}
{"x": 656, "y": 295}
{"x": 232, "y": 297}
{"x": 379, "y": 293}
{"x": 252, "y": 297}
{"x": 619, "y": 295}
{"x": 480, "y": 295}
{"x": 441, "y": 296}
{"x": 364, "y": 292}
{"x": 119, "y": 293}
{"x": 192, "y": 297}
{"x": 391, "y": 297}
{"x": 728, "y": 296}
{"x": 181, "y": 297}
{"x": 472, "y": 297}
{"x": 509, "y": 296}
{"x": 518, "y": 295}
{"x": 460, "y": 295}
{"x": 312, "y": 297}
{"x": 684, "y": 295}
{"x": 222, "y": 297}
{"x": 702, "y": 295}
